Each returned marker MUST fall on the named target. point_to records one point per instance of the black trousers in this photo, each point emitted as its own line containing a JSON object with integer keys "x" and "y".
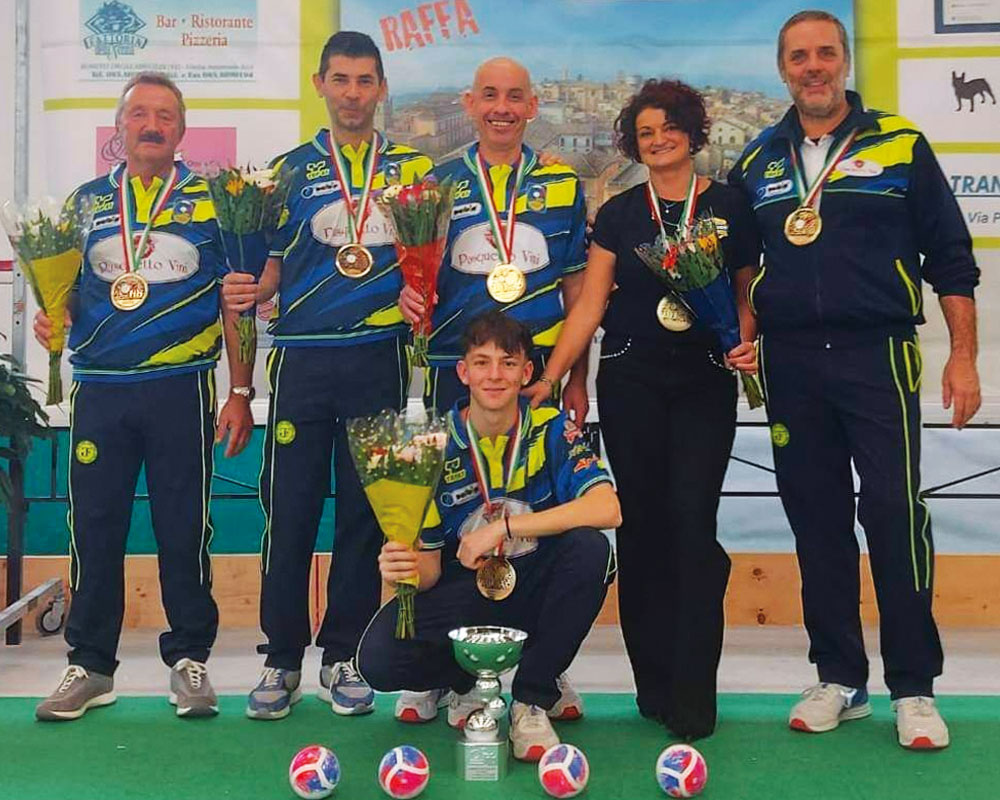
{"x": 559, "y": 592}
{"x": 314, "y": 391}
{"x": 168, "y": 425}
{"x": 828, "y": 407}
{"x": 668, "y": 415}
{"x": 443, "y": 387}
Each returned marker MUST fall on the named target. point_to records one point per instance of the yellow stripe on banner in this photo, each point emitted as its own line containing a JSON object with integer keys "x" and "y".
{"x": 986, "y": 243}
{"x": 876, "y": 54}
{"x": 966, "y": 147}
{"x": 227, "y": 103}
{"x": 318, "y": 20}
{"x": 983, "y": 51}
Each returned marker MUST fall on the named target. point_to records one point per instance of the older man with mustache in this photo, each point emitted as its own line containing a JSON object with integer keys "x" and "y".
{"x": 145, "y": 342}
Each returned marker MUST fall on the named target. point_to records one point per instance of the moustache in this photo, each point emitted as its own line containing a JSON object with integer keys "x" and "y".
{"x": 152, "y": 136}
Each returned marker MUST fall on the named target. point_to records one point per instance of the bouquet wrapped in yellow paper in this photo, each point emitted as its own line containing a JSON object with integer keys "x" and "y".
{"x": 399, "y": 463}
{"x": 47, "y": 238}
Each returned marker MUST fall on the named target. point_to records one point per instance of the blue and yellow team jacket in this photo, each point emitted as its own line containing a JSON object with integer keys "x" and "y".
{"x": 548, "y": 244}
{"x": 317, "y": 306}
{"x": 885, "y": 204}
{"x": 178, "y": 328}
{"x": 556, "y": 465}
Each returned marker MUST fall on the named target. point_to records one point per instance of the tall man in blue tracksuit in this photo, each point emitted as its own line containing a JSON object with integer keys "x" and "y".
{"x": 338, "y": 353}
{"x": 847, "y": 200}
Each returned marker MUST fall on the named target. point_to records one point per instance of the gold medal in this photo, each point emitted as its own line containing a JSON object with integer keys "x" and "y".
{"x": 803, "y": 226}
{"x": 496, "y": 578}
{"x": 354, "y": 260}
{"x": 129, "y": 291}
{"x": 672, "y": 315}
{"x": 506, "y": 283}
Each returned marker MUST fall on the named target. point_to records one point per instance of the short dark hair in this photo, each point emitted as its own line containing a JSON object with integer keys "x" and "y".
{"x": 352, "y": 44}
{"x": 683, "y": 105}
{"x": 813, "y": 15}
{"x": 494, "y": 327}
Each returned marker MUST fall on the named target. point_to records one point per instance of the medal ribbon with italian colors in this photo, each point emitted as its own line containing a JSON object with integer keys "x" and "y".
{"x": 503, "y": 238}
{"x": 479, "y": 463}
{"x": 687, "y": 214}
{"x": 807, "y": 198}
{"x": 133, "y": 254}
{"x": 355, "y": 219}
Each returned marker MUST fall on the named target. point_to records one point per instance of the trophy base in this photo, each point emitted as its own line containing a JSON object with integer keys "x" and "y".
{"x": 483, "y": 761}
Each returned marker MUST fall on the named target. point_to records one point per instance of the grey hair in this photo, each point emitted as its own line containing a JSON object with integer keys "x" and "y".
{"x": 152, "y": 79}
{"x": 813, "y": 15}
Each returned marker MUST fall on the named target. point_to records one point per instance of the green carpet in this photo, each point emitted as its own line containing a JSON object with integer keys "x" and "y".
{"x": 138, "y": 749}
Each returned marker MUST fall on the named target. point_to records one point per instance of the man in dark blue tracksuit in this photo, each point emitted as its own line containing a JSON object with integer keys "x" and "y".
{"x": 847, "y": 200}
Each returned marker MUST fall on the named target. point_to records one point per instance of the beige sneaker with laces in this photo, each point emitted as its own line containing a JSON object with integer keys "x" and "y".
{"x": 824, "y": 706}
{"x": 919, "y": 724}
{"x": 531, "y": 732}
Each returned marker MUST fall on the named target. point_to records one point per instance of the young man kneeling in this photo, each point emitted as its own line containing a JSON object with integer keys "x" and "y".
{"x": 518, "y": 478}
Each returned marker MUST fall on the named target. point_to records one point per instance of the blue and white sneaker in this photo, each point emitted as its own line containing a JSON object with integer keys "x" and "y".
{"x": 275, "y": 694}
{"x": 824, "y": 706}
{"x": 341, "y": 685}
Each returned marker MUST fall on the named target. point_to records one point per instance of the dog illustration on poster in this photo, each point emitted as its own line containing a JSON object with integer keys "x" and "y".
{"x": 967, "y": 90}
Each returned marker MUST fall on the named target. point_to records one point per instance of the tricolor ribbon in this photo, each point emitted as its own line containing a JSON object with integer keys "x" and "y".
{"x": 503, "y": 238}
{"x": 479, "y": 463}
{"x": 133, "y": 254}
{"x": 808, "y": 197}
{"x": 355, "y": 216}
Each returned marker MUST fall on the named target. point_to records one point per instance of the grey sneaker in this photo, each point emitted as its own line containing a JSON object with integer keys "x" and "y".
{"x": 77, "y": 691}
{"x": 275, "y": 694}
{"x": 421, "y": 706}
{"x": 570, "y": 704}
{"x": 342, "y": 686}
{"x": 191, "y": 691}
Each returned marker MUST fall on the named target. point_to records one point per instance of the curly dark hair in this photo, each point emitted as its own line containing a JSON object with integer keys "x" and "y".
{"x": 683, "y": 105}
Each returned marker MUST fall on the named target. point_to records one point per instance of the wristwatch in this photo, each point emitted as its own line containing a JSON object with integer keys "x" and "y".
{"x": 244, "y": 391}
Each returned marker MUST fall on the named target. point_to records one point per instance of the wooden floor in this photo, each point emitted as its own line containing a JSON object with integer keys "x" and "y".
{"x": 763, "y": 589}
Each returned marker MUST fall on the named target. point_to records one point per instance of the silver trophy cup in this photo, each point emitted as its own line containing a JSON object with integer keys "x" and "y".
{"x": 486, "y": 651}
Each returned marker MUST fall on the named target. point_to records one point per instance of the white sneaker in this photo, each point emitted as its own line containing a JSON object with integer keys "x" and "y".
{"x": 531, "y": 733}
{"x": 570, "y": 704}
{"x": 919, "y": 724}
{"x": 421, "y": 706}
{"x": 460, "y": 706}
{"x": 824, "y": 706}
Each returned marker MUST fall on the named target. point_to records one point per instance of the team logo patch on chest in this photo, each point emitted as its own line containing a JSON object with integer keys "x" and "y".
{"x": 329, "y": 226}
{"x": 167, "y": 258}
{"x": 535, "y": 197}
{"x": 859, "y": 168}
{"x": 475, "y": 253}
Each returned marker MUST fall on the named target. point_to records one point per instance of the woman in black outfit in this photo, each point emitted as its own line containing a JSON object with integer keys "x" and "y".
{"x": 667, "y": 405}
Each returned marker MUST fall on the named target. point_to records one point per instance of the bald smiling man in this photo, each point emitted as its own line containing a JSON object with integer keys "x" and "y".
{"x": 516, "y": 242}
